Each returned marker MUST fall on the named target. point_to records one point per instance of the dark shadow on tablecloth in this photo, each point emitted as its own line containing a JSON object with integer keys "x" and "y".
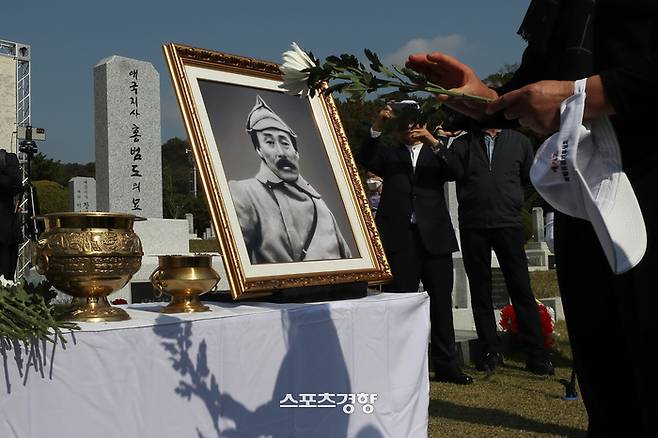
{"x": 37, "y": 357}
{"x": 310, "y": 366}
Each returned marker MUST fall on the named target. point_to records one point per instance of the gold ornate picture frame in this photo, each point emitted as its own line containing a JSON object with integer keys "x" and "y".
{"x": 282, "y": 187}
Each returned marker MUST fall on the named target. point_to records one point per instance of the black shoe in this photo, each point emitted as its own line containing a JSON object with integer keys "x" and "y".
{"x": 490, "y": 361}
{"x": 540, "y": 365}
{"x": 457, "y": 377}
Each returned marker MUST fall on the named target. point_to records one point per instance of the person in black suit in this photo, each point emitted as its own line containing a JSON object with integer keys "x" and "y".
{"x": 415, "y": 228}
{"x": 491, "y": 167}
{"x": 10, "y": 186}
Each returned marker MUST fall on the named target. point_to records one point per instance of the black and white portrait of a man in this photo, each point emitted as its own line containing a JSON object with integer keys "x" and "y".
{"x": 282, "y": 217}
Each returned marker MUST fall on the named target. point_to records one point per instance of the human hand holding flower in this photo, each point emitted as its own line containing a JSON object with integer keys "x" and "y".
{"x": 306, "y": 75}
{"x": 457, "y": 78}
{"x": 535, "y": 106}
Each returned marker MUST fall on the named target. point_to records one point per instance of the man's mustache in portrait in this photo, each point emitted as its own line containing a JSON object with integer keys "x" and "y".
{"x": 282, "y": 163}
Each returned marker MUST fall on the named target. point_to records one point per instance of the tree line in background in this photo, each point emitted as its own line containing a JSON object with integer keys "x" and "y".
{"x": 51, "y": 177}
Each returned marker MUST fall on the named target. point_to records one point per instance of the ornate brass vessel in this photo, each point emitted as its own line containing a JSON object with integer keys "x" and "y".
{"x": 89, "y": 256}
{"x": 184, "y": 277}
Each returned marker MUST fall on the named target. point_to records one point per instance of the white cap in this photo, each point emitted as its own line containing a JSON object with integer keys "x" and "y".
{"x": 578, "y": 171}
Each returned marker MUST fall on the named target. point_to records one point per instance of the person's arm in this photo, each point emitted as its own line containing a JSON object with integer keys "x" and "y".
{"x": 421, "y": 134}
{"x": 624, "y": 90}
{"x": 631, "y": 88}
{"x": 537, "y": 105}
{"x": 455, "y": 158}
{"x": 370, "y": 155}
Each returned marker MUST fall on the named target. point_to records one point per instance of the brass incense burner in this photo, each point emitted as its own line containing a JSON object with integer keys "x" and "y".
{"x": 89, "y": 256}
{"x": 184, "y": 277}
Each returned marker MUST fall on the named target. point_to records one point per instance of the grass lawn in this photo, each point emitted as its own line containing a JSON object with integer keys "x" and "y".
{"x": 200, "y": 245}
{"x": 509, "y": 402}
{"x": 544, "y": 284}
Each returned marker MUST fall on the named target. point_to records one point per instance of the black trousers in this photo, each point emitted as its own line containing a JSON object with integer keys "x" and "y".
{"x": 413, "y": 264}
{"x": 8, "y": 258}
{"x": 613, "y": 324}
{"x": 476, "y": 246}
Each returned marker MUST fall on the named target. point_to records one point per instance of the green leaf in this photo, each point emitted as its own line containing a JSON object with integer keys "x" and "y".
{"x": 375, "y": 63}
{"x": 333, "y": 60}
{"x": 354, "y": 91}
{"x": 386, "y": 71}
{"x": 338, "y": 88}
{"x": 415, "y": 77}
{"x": 27, "y": 316}
{"x": 347, "y": 61}
{"x": 398, "y": 69}
{"x": 315, "y": 60}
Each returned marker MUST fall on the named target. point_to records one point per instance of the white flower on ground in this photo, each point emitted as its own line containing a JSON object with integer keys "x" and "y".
{"x": 295, "y": 81}
{"x": 6, "y": 283}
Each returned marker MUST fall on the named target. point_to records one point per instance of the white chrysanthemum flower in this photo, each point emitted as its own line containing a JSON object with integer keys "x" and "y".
{"x": 6, "y": 283}
{"x": 295, "y": 81}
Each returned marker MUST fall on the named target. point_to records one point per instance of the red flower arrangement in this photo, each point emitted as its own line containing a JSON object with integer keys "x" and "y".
{"x": 509, "y": 324}
{"x": 119, "y": 301}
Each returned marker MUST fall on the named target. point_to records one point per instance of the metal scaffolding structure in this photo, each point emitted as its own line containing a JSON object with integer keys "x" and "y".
{"x": 21, "y": 53}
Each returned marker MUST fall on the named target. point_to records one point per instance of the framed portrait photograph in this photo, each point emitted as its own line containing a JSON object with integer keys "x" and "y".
{"x": 282, "y": 187}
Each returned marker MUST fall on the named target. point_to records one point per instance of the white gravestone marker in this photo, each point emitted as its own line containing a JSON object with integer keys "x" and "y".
{"x": 82, "y": 194}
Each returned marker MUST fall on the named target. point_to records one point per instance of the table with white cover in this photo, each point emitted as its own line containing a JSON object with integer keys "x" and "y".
{"x": 242, "y": 369}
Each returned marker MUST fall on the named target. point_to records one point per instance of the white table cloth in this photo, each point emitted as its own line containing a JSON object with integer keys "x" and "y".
{"x": 228, "y": 372}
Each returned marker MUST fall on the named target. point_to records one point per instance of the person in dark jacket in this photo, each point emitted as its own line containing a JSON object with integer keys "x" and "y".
{"x": 10, "y": 186}
{"x": 415, "y": 228}
{"x": 491, "y": 168}
{"x": 611, "y": 318}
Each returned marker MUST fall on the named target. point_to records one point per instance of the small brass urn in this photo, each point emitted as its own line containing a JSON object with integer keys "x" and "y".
{"x": 184, "y": 277}
{"x": 89, "y": 256}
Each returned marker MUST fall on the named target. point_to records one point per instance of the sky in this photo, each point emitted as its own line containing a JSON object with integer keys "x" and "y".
{"x": 69, "y": 37}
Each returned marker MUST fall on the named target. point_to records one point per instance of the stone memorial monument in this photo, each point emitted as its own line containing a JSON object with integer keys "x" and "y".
{"x": 460, "y": 290}
{"x": 189, "y": 217}
{"x": 129, "y": 163}
{"x": 128, "y": 143}
{"x": 7, "y": 103}
{"x": 537, "y": 250}
{"x": 82, "y": 194}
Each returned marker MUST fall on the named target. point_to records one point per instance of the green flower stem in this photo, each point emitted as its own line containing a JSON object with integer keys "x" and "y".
{"x": 438, "y": 90}
{"x": 25, "y": 316}
{"x": 435, "y": 89}
{"x": 28, "y": 317}
{"x": 9, "y": 322}
{"x": 20, "y": 310}
{"x": 10, "y": 331}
